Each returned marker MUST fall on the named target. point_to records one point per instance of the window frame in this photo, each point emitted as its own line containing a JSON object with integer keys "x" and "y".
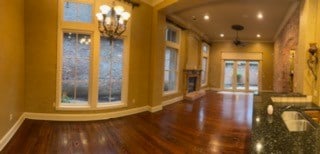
{"x": 72, "y": 104}
{"x": 125, "y": 73}
{"x": 92, "y": 30}
{"x": 176, "y": 46}
{"x": 205, "y": 55}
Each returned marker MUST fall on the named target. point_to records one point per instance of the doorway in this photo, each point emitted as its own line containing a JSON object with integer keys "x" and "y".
{"x": 241, "y": 75}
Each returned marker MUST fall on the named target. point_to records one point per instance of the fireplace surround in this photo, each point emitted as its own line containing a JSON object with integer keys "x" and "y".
{"x": 192, "y": 84}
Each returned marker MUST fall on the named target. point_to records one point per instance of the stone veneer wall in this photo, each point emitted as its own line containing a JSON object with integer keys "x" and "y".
{"x": 286, "y": 41}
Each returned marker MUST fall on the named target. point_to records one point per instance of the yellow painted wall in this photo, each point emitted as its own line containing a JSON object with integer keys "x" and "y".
{"x": 215, "y": 61}
{"x": 11, "y": 63}
{"x": 193, "y": 51}
{"x": 41, "y": 56}
{"x": 308, "y": 33}
{"x": 157, "y": 56}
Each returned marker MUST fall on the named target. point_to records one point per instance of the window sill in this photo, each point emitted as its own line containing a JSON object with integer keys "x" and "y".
{"x": 169, "y": 93}
{"x": 100, "y": 106}
{"x": 115, "y": 105}
{"x": 73, "y": 107}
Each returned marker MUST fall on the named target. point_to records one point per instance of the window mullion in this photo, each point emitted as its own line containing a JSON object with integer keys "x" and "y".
{"x": 111, "y": 75}
{"x": 76, "y": 68}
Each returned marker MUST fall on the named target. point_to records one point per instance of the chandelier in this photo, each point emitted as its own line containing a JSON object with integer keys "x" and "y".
{"x": 112, "y": 20}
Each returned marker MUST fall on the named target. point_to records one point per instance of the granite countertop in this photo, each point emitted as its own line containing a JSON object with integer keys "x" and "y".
{"x": 270, "y": 134}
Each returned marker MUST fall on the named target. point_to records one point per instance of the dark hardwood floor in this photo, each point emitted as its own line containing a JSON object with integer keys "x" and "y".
{"x": 216, "y": 123}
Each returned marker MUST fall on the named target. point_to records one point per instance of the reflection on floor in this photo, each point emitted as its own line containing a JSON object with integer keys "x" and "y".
{"x": 215, "y": 123}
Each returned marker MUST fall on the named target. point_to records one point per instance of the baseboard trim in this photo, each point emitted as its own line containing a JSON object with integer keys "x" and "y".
{"x": 6, "y": 138}
{"x": 155, "y": 108}
{"x": 215, "y": 89}
{"x": 171, "y": 101}
{"x": 205, "y": 88}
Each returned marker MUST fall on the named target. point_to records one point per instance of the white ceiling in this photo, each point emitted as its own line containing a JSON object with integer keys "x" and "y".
{"x": 224, "y": 13}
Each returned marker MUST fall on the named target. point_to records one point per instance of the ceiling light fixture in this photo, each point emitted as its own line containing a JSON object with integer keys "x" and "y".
{"x": 258, "y": 35}
{"x": 113, "y": 19}
{"x": 206, "y": 17}
{"x": 221, "y": 35}
{"x": 260, "y": 15}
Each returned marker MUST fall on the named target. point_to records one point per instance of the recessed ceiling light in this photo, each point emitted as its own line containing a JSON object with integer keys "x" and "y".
{"x": 206, "y": 17}
{"x": 258, "y": 35}
{"x": 260, "y": 15}
{"x": 221, "y": 35}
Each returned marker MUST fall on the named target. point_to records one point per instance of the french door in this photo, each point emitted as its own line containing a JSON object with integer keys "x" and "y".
{"x": 241, "y": 75}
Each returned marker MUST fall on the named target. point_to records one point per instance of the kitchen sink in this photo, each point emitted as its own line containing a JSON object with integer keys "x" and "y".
{"x": 291, "y": 115}
{"x": 298, "y": 125}
{"x": 296, "y": 122}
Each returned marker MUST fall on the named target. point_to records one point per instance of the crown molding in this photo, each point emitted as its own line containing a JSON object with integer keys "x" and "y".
{"x": 190, "y": 27}
{"x": 152, "y": 2}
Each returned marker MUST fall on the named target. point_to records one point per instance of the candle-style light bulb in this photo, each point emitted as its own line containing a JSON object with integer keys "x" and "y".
{"x": 125, "y": 15}
{"x": 105, "y": 9}
{"x": 118, "y": 9}
{"x": 99, "y": 16}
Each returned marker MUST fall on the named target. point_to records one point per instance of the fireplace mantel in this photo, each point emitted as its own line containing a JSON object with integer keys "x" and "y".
{"x": 192, "y": 71}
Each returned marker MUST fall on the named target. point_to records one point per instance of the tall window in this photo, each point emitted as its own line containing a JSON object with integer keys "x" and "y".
{"x": 110, "y": 72}
{"x": 170, "y": 69}
{"x": 171, "y": 60}
{"x": 75, "y": 70}
{"x": 92, "y": 71}
{"x": 205, "y": 64}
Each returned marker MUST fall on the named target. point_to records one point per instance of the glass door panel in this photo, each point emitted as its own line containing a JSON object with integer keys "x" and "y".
{"x": 253, "y": 75}
{"x": 241, "y": 75}
{"x": 228, "y": 75}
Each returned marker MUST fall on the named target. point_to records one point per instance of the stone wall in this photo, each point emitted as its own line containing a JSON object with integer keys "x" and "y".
{"x": 285, "y": 42}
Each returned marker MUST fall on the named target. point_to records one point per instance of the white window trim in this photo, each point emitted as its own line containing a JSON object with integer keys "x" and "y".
{"x": 125, "y": 74}
{"x": 205, "y": 55}
{"x": 72, "y": 105}
{"x": 177, "y": 47}
{"x": 91, "y": 28}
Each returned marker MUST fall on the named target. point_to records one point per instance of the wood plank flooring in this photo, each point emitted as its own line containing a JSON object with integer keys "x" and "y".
{"x": 216, "y": 123}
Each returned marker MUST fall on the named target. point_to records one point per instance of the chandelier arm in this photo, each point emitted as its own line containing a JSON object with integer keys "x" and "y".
{"x": 100, "y": 28}
{"x": 104, "y": 27}
{"x": 121, "y": 32}
{"x": 117, "y": 24}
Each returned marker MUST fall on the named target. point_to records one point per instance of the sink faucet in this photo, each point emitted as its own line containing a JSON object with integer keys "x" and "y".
{"x": 287, "y": 107}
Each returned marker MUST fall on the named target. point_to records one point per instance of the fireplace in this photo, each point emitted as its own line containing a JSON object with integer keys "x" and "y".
{"x": 192, "y": 84}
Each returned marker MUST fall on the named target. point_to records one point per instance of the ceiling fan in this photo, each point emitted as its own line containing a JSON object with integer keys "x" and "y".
{"x": 237, "y": 41}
